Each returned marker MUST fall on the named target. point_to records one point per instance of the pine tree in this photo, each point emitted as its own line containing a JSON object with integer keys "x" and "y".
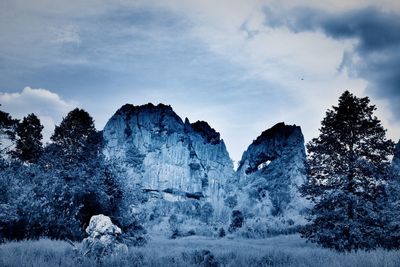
{"x": 29, "y": 135}
{"x": 391, "y": 210}
{"x": 348, "y": 167}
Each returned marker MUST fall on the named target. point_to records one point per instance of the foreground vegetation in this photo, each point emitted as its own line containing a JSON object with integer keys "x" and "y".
{"x": 198, "y": 251}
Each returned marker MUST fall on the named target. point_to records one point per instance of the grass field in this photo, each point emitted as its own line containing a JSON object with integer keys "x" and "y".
{"x": 192, "y": 251}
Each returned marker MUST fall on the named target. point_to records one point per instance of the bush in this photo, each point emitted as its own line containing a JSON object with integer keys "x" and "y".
{"x": 221, "y": 232}
{"x": 237, "y": 220}
{"x": 206, "y": 212}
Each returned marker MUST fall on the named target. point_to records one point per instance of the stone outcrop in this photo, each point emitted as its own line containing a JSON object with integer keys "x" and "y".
{"x": 167, "y": 167}
{"x": 166, "y": 157}
{"x": 271, "y": 171}
{"x": 104, "y": 238}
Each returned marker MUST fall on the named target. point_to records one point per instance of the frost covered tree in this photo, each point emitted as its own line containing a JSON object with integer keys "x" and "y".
{"x": 28, "y": 146}
{"x": 348, "y": 167}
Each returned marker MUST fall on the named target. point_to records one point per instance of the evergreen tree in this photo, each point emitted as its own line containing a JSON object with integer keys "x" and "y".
{"x": 29, "y": 135}
{"x": 348, "y": 167}
{"x": 391, "y": 211}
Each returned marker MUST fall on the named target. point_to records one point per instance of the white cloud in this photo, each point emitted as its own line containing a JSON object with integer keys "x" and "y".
{"x": 302, "y": 65}
{"x": 48, "y": 106}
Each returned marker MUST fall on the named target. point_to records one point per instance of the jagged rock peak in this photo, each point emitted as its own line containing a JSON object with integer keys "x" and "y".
{"x": 160, "y": 118}
{"x": 271, "y": 171}
{"x": 270, "y": 145}
{"x": 208, "y": 133}
{"x": 130, "y": 110}
{"x": 162, "y": 115}
{"x": 163, "y": 155}
{"x": 279, "y": 130}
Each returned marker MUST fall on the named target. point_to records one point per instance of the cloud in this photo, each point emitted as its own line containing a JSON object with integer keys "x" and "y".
{"x": 67, "y": 35}
{"x": 48, "y": 106}
{"x": 375, "y": 55}
{"x": 212, "y": 60}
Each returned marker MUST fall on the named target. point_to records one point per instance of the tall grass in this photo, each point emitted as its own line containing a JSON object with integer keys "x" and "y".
{"x": 192, "y": 251}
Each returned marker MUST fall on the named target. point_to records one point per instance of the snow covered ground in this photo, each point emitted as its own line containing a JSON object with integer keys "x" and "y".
{"x": 198, "y": 251}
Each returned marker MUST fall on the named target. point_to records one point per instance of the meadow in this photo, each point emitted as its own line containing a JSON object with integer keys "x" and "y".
{"x": 288, "y": 250}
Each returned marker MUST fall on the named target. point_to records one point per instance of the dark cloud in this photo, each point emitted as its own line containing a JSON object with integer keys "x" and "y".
{"x": 376, "y": 55}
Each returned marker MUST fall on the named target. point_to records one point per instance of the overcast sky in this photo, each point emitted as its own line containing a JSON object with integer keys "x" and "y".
{"x": 242, "y": 66}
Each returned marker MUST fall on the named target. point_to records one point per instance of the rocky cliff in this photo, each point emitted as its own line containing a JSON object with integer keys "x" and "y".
{"x": 166, "y": 157}
{"x": 270, "y": 173}
{"x": 180, "y": 171}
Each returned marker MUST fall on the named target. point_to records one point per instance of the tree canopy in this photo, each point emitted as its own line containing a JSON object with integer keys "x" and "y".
{"x": 348, "y": 167}
{"x": 29, "y": 139}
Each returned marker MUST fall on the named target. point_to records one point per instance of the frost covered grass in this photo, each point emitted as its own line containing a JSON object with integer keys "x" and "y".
{"x": 190, "y": 251}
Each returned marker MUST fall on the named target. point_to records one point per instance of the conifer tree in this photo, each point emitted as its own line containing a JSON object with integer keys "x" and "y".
{"x": 29, "y": 135}
{"x": 348, "y": 167}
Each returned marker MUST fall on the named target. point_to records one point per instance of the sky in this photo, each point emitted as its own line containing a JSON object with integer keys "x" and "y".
{"x": 242, "y": 66}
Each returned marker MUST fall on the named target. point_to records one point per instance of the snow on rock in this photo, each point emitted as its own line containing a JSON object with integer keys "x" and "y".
{"x": 270, "y": 173}
{"x": 104, "y": 238}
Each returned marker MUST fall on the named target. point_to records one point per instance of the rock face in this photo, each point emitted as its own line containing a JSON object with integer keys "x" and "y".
{"x": 270, "y": 172}
{"x": 174, "y": 172}
{"x": 104, "y": 238}
{"x": 166, "y": 157}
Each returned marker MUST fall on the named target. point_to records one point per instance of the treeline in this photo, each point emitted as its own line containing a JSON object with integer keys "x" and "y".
{"x": 54, "y": 190}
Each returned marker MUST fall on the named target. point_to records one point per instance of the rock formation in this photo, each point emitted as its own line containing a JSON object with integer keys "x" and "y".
{"x": 165, "y": 157}
{"x": 270, "y": 173}
{"x": 170, "y": 167}
{"x": 104, "y": 238}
